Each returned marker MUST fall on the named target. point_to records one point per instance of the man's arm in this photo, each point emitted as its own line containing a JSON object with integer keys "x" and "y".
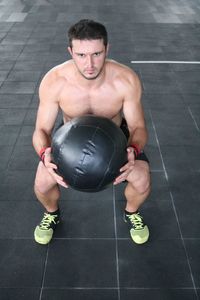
{"x": 133, "y": 113}
{"x": 47, "y": 112}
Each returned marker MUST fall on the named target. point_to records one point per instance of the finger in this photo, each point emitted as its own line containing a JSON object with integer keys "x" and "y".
{"x": 131, "y": 154}
{"x": 60, "y": 179}
{"x": 50, "y": 165}
{"x": 47, "y": 156}
{"x": 57, "y": 177}
{"x": 48, "y": 150}
{"x": 128, "y": 166}
{"x": 120, "y": 178}
{"x": 62, "y": 183}
{"x": 124, "y": 168}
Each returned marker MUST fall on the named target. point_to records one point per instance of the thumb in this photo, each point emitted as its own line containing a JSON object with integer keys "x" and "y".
{"x": 131, "y": 154}
{"x": 48, "y": 150}
{"x": 47, "y": 157}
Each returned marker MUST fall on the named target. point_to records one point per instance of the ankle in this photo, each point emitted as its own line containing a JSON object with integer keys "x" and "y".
{"x": 130, "y": 212}
{"x": 54, "y": 212}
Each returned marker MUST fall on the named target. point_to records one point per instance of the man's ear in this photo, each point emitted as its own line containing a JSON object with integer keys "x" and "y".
{"x": 70, "y": 50}
{"x": 107, "y": 48}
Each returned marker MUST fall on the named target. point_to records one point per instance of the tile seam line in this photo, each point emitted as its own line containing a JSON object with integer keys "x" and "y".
{"x": 22, "y": 124}
{"x": 185, "y": 249}
{"x": 116, "y": 244}
{"x": 44, "y": 273}
{"x": 194, "y": 119}
{"x": 164, "y": 62}
{"x": 109, "y": 288}
{"x": 99, "y": 288}
{"x": 94, "y": 239}
{"x": 174, "y": 208}
{"x": 158, "y": 144}
{"x": 14, "y": 23}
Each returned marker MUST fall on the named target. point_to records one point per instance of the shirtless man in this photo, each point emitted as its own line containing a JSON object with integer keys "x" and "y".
{"x": 90, "y": 83}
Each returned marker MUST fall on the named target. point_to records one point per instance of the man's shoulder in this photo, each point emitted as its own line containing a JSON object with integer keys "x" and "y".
{"x": 57, "y": 75}
{"x": 121, "y": 71}
{"x": 59, "y": 70}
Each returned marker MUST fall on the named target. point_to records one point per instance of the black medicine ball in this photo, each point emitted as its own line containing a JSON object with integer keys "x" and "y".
{"x": 89, "y": 151}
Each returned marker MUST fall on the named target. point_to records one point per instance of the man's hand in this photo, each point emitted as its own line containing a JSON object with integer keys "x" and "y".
{"x": 52, "y": 168}
{"x": 127, "y": 168}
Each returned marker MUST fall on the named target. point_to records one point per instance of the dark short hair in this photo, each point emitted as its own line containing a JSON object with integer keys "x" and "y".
{"x": 87, "y": 30}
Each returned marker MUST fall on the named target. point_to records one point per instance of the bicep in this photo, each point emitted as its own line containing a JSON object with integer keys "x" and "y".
{"x": 132, "y": 107}
{"x": 46, "y": 116}
{"x": 49, "y": 92}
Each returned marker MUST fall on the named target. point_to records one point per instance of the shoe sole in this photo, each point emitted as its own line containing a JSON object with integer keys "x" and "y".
{"x": 142, "y": 241}
{"x": 40, "y": 240}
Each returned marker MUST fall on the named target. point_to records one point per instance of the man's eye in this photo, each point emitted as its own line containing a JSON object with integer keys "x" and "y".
{"x": 97, "y": 54}
{"x": 81, "y": 55}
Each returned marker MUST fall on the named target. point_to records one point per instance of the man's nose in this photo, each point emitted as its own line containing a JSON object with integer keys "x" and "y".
{"x": 89, "y": 61}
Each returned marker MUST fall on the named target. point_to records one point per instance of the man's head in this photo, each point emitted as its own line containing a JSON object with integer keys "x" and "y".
{"x": 87, "y": 30}
{"x": 88, "y": 47}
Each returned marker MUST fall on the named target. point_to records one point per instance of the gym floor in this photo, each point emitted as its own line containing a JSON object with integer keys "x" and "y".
{"x": 92, "y": 256}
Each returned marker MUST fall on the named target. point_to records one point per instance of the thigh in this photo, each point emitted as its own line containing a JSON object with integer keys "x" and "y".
{"x": 140, "y": 173}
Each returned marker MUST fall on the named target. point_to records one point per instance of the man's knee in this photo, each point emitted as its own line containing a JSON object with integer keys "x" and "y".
{"x": 40, "y": 186}
{"x": 43, "y": 181}
{"x": 140, "y": 181}
{"x": 142, "y": 185}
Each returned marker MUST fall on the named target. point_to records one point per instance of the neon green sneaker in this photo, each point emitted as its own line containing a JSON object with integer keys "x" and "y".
{"x": 138, "y": 230}
{"x": 44, "y": 231}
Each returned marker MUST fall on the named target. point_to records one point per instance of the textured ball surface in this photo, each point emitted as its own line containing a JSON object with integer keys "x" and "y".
{"x": 89, "y": 151}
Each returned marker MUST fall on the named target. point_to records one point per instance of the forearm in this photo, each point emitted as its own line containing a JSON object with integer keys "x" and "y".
{"x": 138, "y": 137}
{"x": 40, "y": 140}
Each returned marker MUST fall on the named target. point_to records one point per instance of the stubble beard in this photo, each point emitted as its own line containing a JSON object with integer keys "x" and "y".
{"x": 94, "y": 77}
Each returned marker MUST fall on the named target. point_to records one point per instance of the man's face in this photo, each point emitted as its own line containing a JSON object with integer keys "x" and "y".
{"x": 89, "y": 57}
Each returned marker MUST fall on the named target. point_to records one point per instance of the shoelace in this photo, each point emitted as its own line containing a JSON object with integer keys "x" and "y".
{"x": 136, "y": 220}
{"x": 47, "y": 220}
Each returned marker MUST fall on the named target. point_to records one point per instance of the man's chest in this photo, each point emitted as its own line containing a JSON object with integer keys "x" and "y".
{"x": 106, "y": 103}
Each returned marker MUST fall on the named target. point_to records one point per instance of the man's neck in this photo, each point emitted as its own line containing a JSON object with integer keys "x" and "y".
{"x": 91, "y": 83}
